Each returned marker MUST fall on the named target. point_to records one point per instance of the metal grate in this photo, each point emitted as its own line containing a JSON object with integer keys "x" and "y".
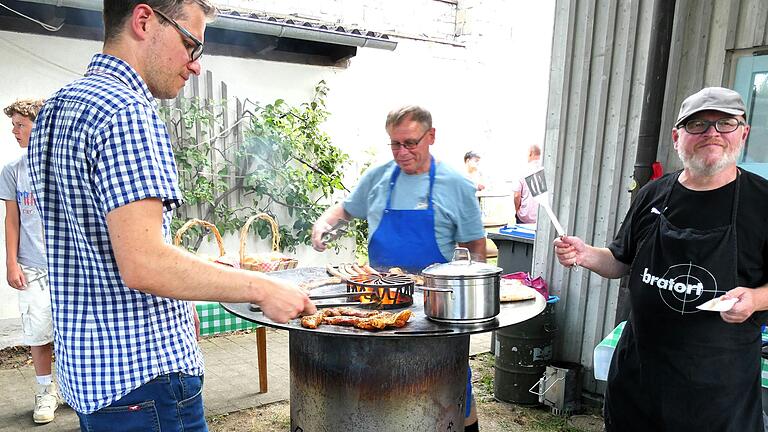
{"x": 393, "y": 290}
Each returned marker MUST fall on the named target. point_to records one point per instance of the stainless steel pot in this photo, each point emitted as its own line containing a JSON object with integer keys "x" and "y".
{"x": 461, "y": 290}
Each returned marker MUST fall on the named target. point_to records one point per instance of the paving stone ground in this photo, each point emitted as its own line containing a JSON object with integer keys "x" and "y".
{"x": 231, "y": 378}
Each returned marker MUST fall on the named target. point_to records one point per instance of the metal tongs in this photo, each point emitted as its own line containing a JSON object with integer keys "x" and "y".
{"x": 338, "y": 229}
{"x": 374, "y": 298}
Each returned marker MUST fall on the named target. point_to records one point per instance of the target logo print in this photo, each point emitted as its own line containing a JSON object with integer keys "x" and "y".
{"x": 684, "y": 286}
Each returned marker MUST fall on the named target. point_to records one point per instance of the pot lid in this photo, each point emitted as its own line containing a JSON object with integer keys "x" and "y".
{"x": 461, "y": 265}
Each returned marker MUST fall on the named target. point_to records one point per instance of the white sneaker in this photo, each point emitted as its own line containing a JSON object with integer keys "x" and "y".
{"x": 46, "y": 402}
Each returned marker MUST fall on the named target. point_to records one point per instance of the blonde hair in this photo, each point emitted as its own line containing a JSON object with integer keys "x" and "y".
{"x": 28, "y": 108}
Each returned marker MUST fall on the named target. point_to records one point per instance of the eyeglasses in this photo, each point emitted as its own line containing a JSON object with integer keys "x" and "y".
{"x": 723, "y": 125}
{"x": 408, "y": 144}
{"x": 197, "y": 50}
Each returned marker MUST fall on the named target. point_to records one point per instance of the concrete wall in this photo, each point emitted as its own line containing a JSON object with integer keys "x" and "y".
{"x": 487, "y": 89}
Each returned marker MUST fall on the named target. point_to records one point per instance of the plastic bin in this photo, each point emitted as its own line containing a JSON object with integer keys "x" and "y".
{"x": 515, "y": 253}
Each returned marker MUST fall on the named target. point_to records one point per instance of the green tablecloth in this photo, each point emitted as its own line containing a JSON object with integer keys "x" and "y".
{"x": 214, "y": 320}
{"x": 613, "y": 338}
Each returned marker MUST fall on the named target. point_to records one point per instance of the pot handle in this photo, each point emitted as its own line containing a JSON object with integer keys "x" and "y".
{"x": 461, "y": 254}
{"x": 450, "y": 290}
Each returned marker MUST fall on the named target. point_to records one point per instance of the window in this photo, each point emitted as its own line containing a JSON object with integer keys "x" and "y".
{"x": 752, "y": 83}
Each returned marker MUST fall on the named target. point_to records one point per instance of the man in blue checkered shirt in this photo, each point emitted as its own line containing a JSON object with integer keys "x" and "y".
{"x": 105, "y": 178}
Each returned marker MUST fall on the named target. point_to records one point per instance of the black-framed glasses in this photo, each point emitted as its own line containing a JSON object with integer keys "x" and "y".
{"x": 197, "y": 50}
{"x": 408, "y": 144}
{"x": 723, "y": 125}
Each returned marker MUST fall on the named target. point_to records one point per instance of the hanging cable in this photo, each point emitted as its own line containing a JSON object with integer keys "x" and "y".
{"x": 42, "y": 24}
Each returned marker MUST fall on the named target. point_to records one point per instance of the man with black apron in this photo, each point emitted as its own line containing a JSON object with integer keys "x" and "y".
{"x": 690, "y": 237}
{"x": 418, "y": 210}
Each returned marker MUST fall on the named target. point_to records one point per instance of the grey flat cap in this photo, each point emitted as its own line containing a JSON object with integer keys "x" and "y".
{"x": 714, "y": 99}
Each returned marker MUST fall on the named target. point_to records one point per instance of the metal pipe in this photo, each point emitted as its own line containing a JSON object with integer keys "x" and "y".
{"x": 259, "y": 26}
{"x": 655, "y": 86}
{"x": 650, "y": 116}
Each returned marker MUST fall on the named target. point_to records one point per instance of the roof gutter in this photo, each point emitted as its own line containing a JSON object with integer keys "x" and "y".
{"x": 278, "y": 29}
{"x": 259, "y": 26}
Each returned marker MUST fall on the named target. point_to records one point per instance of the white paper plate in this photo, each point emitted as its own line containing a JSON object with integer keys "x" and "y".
{"x": 718, "y": 304}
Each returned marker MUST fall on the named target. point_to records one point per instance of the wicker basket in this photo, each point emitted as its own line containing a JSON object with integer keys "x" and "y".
{"x": 223, "y": 258}
{"x": 264, "y": 262}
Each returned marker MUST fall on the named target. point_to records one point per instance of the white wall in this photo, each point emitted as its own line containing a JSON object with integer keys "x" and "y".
{"x": 488, "y": 96}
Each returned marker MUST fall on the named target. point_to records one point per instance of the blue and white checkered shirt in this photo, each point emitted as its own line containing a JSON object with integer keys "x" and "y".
{"x": 99, "y": 144}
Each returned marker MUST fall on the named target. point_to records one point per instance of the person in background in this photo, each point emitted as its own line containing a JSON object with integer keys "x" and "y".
{"x": 26, "y": 266}
{"x": 526, "y": 208}
{"x": 690, "y": 236}
{"x": 472, "y": 165}
{"x": 418, "y": 209}
{"x": 105, "y": 180}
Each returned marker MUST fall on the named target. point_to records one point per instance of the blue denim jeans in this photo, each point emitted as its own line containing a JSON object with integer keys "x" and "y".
{"x": 169, "y": 403}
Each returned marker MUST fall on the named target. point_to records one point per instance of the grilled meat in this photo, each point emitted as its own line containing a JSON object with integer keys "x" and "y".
{"x": 348, "y": 311}
{"x": 384, "y": 320}
{"x": 313, "y": 321}
{"x": 366, "y": 320}
{"x": 341, "y": 320}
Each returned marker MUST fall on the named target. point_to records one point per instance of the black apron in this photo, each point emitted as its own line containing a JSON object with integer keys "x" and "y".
{"x": 677, "y": 368}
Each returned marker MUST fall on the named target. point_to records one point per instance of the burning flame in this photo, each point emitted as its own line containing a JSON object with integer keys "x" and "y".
{"x": 383, "y": 288}
{"x": 382, "y": 294}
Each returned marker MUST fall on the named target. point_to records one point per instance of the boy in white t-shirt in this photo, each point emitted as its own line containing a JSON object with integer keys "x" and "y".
{"x": 26, "y": 262}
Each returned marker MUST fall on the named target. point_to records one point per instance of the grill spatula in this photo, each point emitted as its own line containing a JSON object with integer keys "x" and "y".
{"x": 537, "y": 185}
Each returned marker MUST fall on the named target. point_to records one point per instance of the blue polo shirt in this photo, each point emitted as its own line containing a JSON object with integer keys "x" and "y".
{"x": 457, "y": 212}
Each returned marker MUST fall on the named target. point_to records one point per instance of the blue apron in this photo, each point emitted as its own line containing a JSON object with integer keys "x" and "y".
{"x": 406, "y": 238}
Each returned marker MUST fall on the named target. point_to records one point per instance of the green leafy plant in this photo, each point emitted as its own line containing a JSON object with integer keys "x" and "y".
{"x": 284, "y": 164}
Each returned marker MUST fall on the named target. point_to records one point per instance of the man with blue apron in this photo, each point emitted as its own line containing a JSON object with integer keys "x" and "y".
{"x": 418, "y": 210}
{"x": 690, "y": 237}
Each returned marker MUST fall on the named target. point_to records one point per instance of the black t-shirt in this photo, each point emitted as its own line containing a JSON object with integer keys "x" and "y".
{"x": 702, "y": 210}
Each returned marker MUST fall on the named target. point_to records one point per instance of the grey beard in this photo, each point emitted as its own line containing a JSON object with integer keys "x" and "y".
{"x": 698, "y": 168}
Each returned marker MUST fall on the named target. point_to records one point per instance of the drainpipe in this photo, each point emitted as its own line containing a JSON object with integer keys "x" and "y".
{"x": 650, "y": 117}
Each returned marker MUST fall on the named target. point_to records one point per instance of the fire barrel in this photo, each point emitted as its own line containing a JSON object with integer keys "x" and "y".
{"x": 377, "y": 384}
{"x": 522, "y": 353}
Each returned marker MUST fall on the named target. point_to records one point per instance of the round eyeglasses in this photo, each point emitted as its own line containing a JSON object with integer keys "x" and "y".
{"x": 723, "y": 125}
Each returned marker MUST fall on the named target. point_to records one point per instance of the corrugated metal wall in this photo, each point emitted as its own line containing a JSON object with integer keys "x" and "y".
{"x": 596, "y": 86}
{"x": 599, "y": 59}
